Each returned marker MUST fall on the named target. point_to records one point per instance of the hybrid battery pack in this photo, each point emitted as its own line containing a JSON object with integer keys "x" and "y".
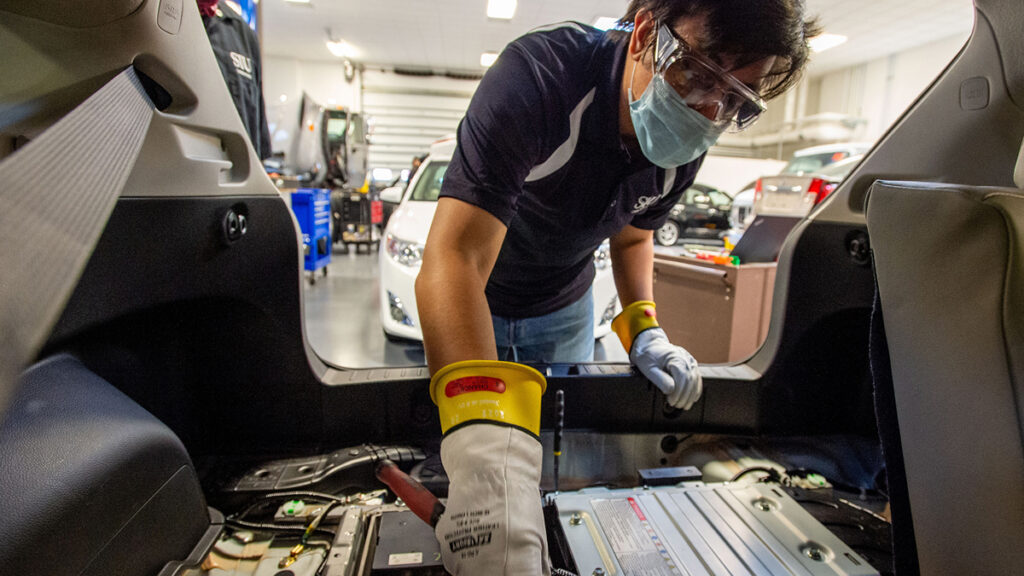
{"x": 699, "y": 529}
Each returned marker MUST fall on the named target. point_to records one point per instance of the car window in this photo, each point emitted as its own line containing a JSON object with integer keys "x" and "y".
{"x": 812, "y": 162}
{"x": 835, "y": 113}
{"x": 842, "y": 168}
{"x": 428, "y": 186}
{"x": 719, "y": 198}
{"x": 691, "y": 195}
{"x": 336, "y": 128}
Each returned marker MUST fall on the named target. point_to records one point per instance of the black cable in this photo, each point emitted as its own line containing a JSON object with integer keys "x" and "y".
{"x": 773, "y": 474}
{"x": 561, "y": 572}
{"x": 306, "y": 494}
{"x": 294, "y": 494}
{"x": 273, "y": 527}
{"x": 314, "y": 525}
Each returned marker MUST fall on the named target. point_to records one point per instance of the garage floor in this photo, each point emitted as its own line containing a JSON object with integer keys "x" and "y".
{"x": 343, "y": 320}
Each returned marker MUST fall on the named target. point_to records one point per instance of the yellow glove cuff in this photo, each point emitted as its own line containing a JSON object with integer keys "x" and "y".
{"x": 489, "y": 391}
{"x": 634, "y": 319}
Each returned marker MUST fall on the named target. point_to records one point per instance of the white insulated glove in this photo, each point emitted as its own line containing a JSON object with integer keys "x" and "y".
{"x": 671, "y": 368}
{"x": 493, "y": 524}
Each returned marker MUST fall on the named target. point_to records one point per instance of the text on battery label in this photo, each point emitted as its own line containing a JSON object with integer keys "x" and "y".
{"x": 637, "y": 547}
{"x": 405, "y": 559}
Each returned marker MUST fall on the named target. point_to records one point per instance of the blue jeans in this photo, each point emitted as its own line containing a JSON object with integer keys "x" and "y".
{"x": 565, "y": 335}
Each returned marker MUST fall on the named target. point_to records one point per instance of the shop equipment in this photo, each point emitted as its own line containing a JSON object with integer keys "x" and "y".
{"x": 312, "y": 208}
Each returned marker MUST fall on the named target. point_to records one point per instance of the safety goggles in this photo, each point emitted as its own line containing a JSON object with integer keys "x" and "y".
{"x": 704, "y": 85}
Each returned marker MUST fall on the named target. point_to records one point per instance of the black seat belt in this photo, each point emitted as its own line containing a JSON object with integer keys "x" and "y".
{"x": 56, "y": 194}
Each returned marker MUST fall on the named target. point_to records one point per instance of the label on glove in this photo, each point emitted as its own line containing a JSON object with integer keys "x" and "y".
{"x": 473, "y": 530}
{"x": 474, "y": 384}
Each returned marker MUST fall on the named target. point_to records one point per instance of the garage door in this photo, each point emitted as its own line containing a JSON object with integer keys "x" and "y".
{"x": 408, "y": 111}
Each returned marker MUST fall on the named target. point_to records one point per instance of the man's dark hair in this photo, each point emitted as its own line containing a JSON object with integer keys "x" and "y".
{"x": 747, "y": 29}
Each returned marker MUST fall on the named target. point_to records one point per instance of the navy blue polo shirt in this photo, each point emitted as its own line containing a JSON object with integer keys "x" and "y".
{"x": 539, "y": 148}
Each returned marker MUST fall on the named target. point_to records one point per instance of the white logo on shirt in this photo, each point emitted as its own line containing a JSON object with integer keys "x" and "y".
{"x": 645, "y": 202}
{"x": 243, "y": 64}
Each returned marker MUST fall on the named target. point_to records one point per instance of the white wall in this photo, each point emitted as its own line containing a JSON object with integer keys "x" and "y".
{"x": 288, "y": 78}
{"x": 881, "y": 90}
{"x": 733, "y": 174}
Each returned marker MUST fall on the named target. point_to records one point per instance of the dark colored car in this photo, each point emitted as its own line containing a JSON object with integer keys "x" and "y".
{"x": 702, "y": 211}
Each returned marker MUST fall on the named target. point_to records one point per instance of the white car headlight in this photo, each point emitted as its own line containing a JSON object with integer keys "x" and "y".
{"x": 603, "y": 256}
{"x": 405, "y": 253}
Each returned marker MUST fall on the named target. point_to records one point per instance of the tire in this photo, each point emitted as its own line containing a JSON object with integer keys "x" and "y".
{"x": 668, "y": 234}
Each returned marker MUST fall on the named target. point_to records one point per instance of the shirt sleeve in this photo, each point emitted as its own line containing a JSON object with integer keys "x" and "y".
{"x": 655, "y": 216}
{"x": 502, "y": 137}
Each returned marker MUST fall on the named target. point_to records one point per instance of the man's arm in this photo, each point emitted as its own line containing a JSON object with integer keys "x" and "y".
{"x": 460, "y": 252}
{"x": 632, "y": 252}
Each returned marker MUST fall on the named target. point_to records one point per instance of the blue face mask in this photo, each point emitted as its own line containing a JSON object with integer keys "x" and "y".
{"x": 670, "y": 132}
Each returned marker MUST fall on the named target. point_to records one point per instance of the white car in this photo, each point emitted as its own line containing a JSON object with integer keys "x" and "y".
{"x": 402, "y": 252}
{"x": 804, "y": 161}
{"x": 742, "y": 212}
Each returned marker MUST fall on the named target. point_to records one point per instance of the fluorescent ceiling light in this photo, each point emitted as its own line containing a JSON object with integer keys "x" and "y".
{"x": 501, "y": 9}
{"x": 488, "y": 58}
{"x": 605, "y": 23}
{"x": 341, "y": 49}
{"x": 823, "y": 42}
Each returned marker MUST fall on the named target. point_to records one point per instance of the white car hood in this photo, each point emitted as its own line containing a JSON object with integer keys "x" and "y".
{"x": 411, "y": 221}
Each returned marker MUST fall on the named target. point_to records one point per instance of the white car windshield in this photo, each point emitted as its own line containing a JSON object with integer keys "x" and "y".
{"x": 428, "y": 186}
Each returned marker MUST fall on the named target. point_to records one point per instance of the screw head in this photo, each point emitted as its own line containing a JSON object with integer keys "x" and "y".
{"x": 575, "y": 520}
{"x": 765, "y": 505}
{"x": 598, "y": 572}
{"x": 815, "y": 552}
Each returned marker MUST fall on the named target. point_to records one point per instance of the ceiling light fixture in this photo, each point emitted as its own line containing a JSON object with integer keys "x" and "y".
{"x": 606, "y": 23}
{"x": 823, "y": 42}
{"x": 488, "y": 58}
{"x": 339, "y": 47}
{"x": 501, "y": 9}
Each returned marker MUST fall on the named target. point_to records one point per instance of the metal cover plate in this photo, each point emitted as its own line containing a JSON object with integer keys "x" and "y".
{"x": 698, "y": 529}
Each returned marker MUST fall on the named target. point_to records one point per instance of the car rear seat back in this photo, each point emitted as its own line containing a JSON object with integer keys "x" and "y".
{"x": 97, "y": 484}
{"x": 949, "y": 265}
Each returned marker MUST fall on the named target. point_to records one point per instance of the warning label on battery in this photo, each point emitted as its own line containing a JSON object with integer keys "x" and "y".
{"x": 637, "y": 547}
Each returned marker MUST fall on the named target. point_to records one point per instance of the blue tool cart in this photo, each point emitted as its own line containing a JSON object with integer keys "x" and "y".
{"x": 312, "y": 208}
